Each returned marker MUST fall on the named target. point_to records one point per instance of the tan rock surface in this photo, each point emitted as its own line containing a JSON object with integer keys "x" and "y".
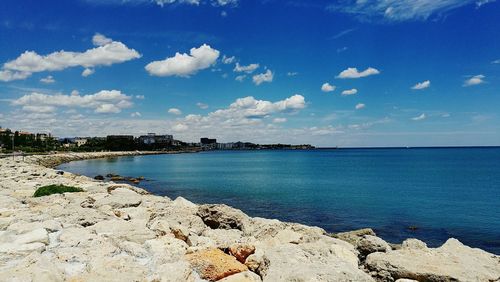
{"x": 214, "y": 264}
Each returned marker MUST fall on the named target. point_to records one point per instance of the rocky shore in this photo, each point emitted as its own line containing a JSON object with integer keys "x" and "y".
{"x": 118, "y": 232}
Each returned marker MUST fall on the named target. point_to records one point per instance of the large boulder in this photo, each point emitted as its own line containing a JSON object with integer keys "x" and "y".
{"x": 214, "y": 264}
{"x": 371, "y": 244}
{"x": 222, "y": 217}
{"x": 354, "y": 236}
{"x": 453, "y": 261}
{"x": 311, "y": 262}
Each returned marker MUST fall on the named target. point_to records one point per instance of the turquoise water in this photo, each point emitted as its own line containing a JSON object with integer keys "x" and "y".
{"x": 446, "y": 192}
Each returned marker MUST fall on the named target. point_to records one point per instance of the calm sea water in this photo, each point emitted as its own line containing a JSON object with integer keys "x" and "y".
{"x": 452, "y": 192}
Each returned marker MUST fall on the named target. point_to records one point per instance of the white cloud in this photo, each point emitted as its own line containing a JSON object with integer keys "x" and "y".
{"x": 496, "y": 61}
{"x": 185, "y": 65}
{"x": 175, "y": 111}
{"x": 227, "y": 2}
{"x": 327, "y": 87}
{"x": 245, "y": 113}
{"x": 88, "y": 71}
{"x": 475, "y": 80}
{"x": 258, "y": 79}
{"x": 202, "y": 106}
{"x": 279, "y": 120}
{"x": 7, "y": 75}
{"x": 240, "y": 78}
{"x": 420, "y": 117}
{"x": 422, "y": 85}
{"x": 400, "y": 10}
{"x": 190, "y": 2}
{"x": 360, "y": 106}
{"x": 228, "y": 60}
{"x": 135, "y": 114}
{"x": 100, "y": 40}
{"x": 104, "y": 101}
{"x": 107, "y": 109}
{"x": 30, "y": 62}
{"x": 180, "y": 127}
{"x": 247, "y": 69}
{"x": 39, "y": 109}
{"x": 354, "y": 73}
{"x": 48, "y": 80}
{"x": 75, "y": 93}
{"x": 292, "y": 73}
{"x": 197, "y": 2}
{"x": 350, "y": 92}
{"x": 139, "y": 97}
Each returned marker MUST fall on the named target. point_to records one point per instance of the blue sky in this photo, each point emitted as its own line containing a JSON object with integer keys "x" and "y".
{"x": 329, "y": 73}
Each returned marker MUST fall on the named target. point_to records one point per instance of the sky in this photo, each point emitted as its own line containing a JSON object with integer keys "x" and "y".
{"x": 347, "y": 73}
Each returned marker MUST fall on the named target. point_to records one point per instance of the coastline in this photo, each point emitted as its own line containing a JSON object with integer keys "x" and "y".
{"x": 93, "y": 235}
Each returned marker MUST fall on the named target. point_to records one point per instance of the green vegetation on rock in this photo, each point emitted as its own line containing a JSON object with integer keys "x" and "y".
{"x": 55, "y": 189}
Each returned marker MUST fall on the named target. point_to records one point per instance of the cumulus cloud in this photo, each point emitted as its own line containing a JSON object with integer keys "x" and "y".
{"x": 202, "y": 106}
{"x": 360, "y": 106}
{"x": 140, "y": 97}
{"x": 258, "y": 79}
{"x": 246, "y": 112}
{"x": 7, "y": 75}
{"x": 400, "y": 10}
{"x": 350, "y": 92}
{"x": 48, "y": 80}
{"x": 30, "y": 62}
{"x": 327, "y": 87}
{"x": 228, "y": 60}
{"x": 174, "y": 111}
{"x": 354, "y": 73}
{"x": 105, "y": 101}
{"x": 87, "y": 72}
{"x": 292, "y": 73}
{"x": 475, "y": 80}
{"x": 101, "y": 40}
{"x": 247, "y": 69}
{"x": 422, "y": 85}
{"x": 135, "y": 114}
{"x": 185, "y": 65}
{"x": 420, "y": 117}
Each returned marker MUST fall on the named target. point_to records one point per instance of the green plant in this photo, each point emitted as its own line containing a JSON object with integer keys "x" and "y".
{"x": 55, "y": 189}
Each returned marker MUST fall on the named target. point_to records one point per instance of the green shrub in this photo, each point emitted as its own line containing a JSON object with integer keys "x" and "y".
{"x": 55, "y": 189}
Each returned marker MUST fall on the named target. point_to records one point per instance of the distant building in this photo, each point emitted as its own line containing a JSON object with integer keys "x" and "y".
{"x": 208, "y": 144}
{"x": 207, "y": 141}
{"x": 225, "y": 146}
{"x": 153, "y": 139}
{"x": 80, "y": 141}
{"x": 43, "y": 136}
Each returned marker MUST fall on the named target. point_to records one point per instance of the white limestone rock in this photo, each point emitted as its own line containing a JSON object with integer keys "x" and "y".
{"x": 453, "y": 261}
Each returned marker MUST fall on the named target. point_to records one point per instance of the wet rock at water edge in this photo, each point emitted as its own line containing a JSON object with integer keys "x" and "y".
{"x": 99, "y": 177}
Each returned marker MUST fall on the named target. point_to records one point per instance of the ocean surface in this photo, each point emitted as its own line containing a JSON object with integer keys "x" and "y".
{"x": 441, "y": 192}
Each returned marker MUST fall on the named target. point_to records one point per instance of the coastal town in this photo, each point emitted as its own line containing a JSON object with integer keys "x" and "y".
{"x": 13, "y": 140}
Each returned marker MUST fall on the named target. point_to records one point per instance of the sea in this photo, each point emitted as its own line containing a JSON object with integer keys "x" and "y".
{"x": 427, "y": 193}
